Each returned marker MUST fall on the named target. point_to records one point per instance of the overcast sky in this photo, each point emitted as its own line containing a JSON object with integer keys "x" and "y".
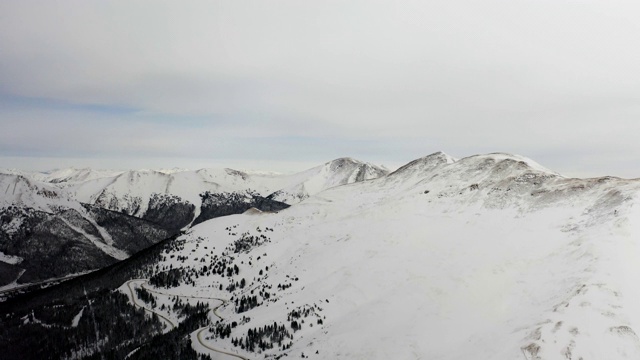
{"x": 286, "y": 85}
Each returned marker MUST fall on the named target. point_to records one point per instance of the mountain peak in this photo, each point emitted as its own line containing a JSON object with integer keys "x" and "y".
{"x": 426, "y": 162}
{"x": 507, "y": 160}
{"x": 337, "y": 172}
{"x": 351, "y": 164}
{"x": 345, "y": 160}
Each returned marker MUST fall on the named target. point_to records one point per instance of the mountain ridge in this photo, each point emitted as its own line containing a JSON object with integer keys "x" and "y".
{"x": 72, "y": 202}
{"x": 490, "y": 256}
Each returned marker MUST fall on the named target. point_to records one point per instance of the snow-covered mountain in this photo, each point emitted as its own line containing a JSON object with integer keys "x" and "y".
{"x": 45, "y": 234}
{"x": 96, "y": 217}
{"x": 21, "y": 191}
{"x": 73, "y": 175}
{"x": 341, "y": 171}
{"x": 145, "y": 193}
{"x": 490, "y": 256}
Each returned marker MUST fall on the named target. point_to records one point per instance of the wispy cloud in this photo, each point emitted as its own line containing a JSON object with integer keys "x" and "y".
{"x": 292, "y": 80}
{"x": 19, "y": 103}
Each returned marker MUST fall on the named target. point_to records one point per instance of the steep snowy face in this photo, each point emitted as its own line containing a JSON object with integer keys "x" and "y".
{"x": 131, "y": 191}
{"x": 232, "y": 180}
{"x": 140, "y": 192}
{"x": 348, "y": 171}
{"x": 506, "y": 181}
{"x": 334, "y": 173}
{"x": 490, "y": 257}
{"x": 72, "y": 175}
{"x": 85, "y": 211}
{"x": 517, "y": 161}
{"x": 54, "y": 235}
{"x": 173, "y": 199}
{"x": 22, "y": 191}
{"x": 425, "y": 163}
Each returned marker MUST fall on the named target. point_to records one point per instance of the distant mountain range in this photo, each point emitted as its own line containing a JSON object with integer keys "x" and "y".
{"x": 491, "y": 256}
{"x": 74, "y": 220}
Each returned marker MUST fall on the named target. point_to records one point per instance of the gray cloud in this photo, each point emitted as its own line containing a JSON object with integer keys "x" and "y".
{"x": 302, "y": 81}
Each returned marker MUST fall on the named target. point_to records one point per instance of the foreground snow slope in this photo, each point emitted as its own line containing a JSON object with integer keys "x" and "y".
{"x": 487, "y": 257}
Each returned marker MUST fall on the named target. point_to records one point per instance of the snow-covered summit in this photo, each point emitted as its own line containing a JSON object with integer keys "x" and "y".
{"x": 56, "y": 235}
{"x": 74, "y": 175}
{"x": 13, "y": 171}
{"x": 490, "y": 256}
{"x": 131, "y": 191}
{"x": 19, "y": 190}
{"x": 334, "y": 173}
{"x": 423, "y": 163}
{"x": 508, "y": 161}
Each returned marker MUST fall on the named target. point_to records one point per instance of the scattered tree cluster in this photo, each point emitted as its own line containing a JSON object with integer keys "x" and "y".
{"x": 264, "y": 338}
{"x": 220, "y": 330}
{"x": 174, "y": 246}
{"x": 246, "y": 303}
{"x": 240, "y": 285}
{"x": 231, "y": 231}
{"x": 183, "y": 308}
{"x": 297, "y": 316}
{"x": 146, "y": 296}
{"x": 265, "y": 294}
{"x": 265, "y": 229}
{"x": 167, "y": 279}
{"x": 246, "y": 242}
{"x": 284, "y": 286}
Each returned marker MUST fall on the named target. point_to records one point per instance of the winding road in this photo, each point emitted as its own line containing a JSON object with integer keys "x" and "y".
{"x": 198, "y": 336}
{"x": 174, "y": 325}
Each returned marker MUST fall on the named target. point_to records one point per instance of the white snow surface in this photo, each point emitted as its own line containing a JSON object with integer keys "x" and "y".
{"x": 76, "y": 319}
{"x": 25, "y": 193}
{"x": 10, "y": 259}
{"x": 131, "y": 190}
{"x": 486, "y": 257}
{"x": 73, "y": 175}
{"x": 22, "y": 191}
{"x": 107, "y": 248}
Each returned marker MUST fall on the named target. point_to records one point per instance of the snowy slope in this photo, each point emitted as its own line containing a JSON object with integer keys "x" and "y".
{"x": 20, "y": 190}
{"x": 36, "y": 206}
{"x": 132, "y": 191}
{"x": 138, "y": 193}
{"x": 73, "y": 175}
{"x": 338, "y": 172}
{"x": 491, "y": 257}
{"x": 53, "y": 235}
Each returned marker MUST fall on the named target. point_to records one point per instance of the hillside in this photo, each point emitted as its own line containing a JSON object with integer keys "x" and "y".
{"x": 44, "y": 234}
{"x": 491, "y": 256}
{"x": 71, "y": 221}
{"x": 136, "y": 192}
